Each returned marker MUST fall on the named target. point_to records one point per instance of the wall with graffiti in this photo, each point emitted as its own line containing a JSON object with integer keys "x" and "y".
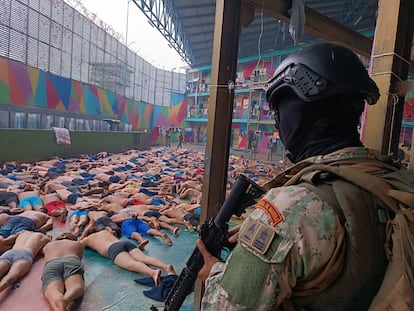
{"x": 408, "y": 119}
{"x": 25, "y": 86}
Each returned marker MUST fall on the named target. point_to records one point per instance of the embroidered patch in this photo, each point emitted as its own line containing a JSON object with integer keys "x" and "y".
{"x": 271, "y": 210}
{"x": 257, "y": 236}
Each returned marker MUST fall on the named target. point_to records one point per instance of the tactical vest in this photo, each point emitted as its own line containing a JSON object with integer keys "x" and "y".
{"x": 364, "y": 218}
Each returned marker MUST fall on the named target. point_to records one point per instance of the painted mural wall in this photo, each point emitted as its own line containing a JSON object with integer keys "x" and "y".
{"x": 251, "y": 113}
{"x": 24, "y": 85}
{"x": 408, "y": 120}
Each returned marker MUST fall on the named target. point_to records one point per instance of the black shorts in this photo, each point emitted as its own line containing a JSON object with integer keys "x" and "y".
{"x": 8, "y": 197}
{"x": 193, "y": 219}
{"x": 152, "y": 214}
{"x": 103, "y": 222}
{"x": 118, "y": 247}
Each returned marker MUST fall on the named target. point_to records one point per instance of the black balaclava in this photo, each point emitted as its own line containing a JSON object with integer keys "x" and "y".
{"x": 308, "y": 129}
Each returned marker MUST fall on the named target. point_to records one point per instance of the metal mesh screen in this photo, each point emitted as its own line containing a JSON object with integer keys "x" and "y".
{"x": 53, "y": 36}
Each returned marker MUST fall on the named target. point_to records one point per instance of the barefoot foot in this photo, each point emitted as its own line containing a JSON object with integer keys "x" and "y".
{"x": 166, "y": 239}
{"x": 142, "y": 245}
{"x": 157, "y": 277}
{"x": 189, "y": 227}
{"x": 170, "y": 270}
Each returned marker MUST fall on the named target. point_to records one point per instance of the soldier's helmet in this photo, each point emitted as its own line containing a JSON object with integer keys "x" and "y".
{"x": 319, "y": 71}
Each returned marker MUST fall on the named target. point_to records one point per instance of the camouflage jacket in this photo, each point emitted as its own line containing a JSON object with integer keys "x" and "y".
{"x": 291, "y": 235}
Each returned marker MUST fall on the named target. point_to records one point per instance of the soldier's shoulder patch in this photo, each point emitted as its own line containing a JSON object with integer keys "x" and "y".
{"x": 271, "y": 210}
{"x": 257, "y": 235}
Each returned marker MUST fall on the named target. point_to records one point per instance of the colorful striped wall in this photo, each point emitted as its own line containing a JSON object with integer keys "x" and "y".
{"x": 408, "y": 114}
{"x": 170, "y": 116}
{"x": 23, "y": 85}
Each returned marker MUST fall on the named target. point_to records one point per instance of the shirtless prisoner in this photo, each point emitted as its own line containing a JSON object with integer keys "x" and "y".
{"x": 125, "y": 254}
{"x": 28, "y": 220}
{"x": 62, "y": 276}
{"x": 16, "y": 262}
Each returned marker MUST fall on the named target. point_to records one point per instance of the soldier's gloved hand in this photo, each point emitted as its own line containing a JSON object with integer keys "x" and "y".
{"x": 209, "y": 260}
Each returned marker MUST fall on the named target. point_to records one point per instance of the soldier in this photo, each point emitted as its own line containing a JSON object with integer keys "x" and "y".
{"x": 294, "y": 248}
{"x": 180, "y": 140}
{"x": 270, "y": 150}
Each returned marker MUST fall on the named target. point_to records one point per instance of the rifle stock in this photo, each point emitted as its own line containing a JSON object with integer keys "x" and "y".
{"x": 214, "y": 234}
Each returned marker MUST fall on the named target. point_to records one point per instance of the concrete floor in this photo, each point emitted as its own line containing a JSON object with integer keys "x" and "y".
{"x": 108, "y": 287}
{"x": 259, "y": 156}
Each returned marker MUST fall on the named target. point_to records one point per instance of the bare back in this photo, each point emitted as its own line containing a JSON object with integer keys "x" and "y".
{"x": 4, "y": 218}
{"x": 97, "y": 214}
{"x": 141, "y": 197}
{"x": 50, "y": 197}
{"x": 141, "y": 209}
{"x": 63, "y": 248}
{"x": 34, "y": 241}
{"x": 175, "y": 212}
{"x": 63, "y": 194}
{"x": 28, "y": 194}
{"x": 100, "y": 241}
{"x": 114, "y": 207}
{"x": 39, "y": 218}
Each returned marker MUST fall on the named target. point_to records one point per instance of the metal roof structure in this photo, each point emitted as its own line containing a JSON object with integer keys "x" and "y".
{"x": 188, "y": 25}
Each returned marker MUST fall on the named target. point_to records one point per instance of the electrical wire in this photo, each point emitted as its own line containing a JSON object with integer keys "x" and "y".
{"x": 259, "y": 41}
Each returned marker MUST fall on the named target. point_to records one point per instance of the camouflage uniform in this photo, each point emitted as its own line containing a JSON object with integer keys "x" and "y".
{"x": 290, "y": 236}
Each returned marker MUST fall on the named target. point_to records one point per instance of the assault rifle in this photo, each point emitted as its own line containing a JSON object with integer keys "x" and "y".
{"x": 214, "y": 234}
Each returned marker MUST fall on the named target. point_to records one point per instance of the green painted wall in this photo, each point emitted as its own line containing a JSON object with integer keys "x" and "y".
{"x": 32, "y": 145}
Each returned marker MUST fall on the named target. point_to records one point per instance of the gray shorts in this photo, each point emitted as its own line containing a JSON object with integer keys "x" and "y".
{"x": 61, "y": 269}
{"x": 13, "y": 255}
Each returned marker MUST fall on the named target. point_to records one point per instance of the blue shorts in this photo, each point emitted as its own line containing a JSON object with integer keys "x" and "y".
{"x": 130, "y": 226}
{"x": 78, "y": 182}
{"x": 149, "y": 184}
{"x": 17, "y": 224}
{"x": 167, "y": 169}
{"x": 148, "y": 192}
{"x": 114, "y": 179}
{"x": 72, "y": 198}
{"x": 30, "y": 200}
{"x": 79, "y": 213}
{"x": 193, "y": 219}
{"x": 157, "y": 201}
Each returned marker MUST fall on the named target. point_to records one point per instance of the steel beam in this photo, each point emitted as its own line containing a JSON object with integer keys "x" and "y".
{"x": 163, "y": 16}
{"x": 316, "y": 24}
{"x": 390, "y": 64}
{"x": 220, "y": 111}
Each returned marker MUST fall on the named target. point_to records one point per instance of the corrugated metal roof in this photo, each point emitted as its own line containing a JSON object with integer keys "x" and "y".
{"x": 189, "y": 26}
